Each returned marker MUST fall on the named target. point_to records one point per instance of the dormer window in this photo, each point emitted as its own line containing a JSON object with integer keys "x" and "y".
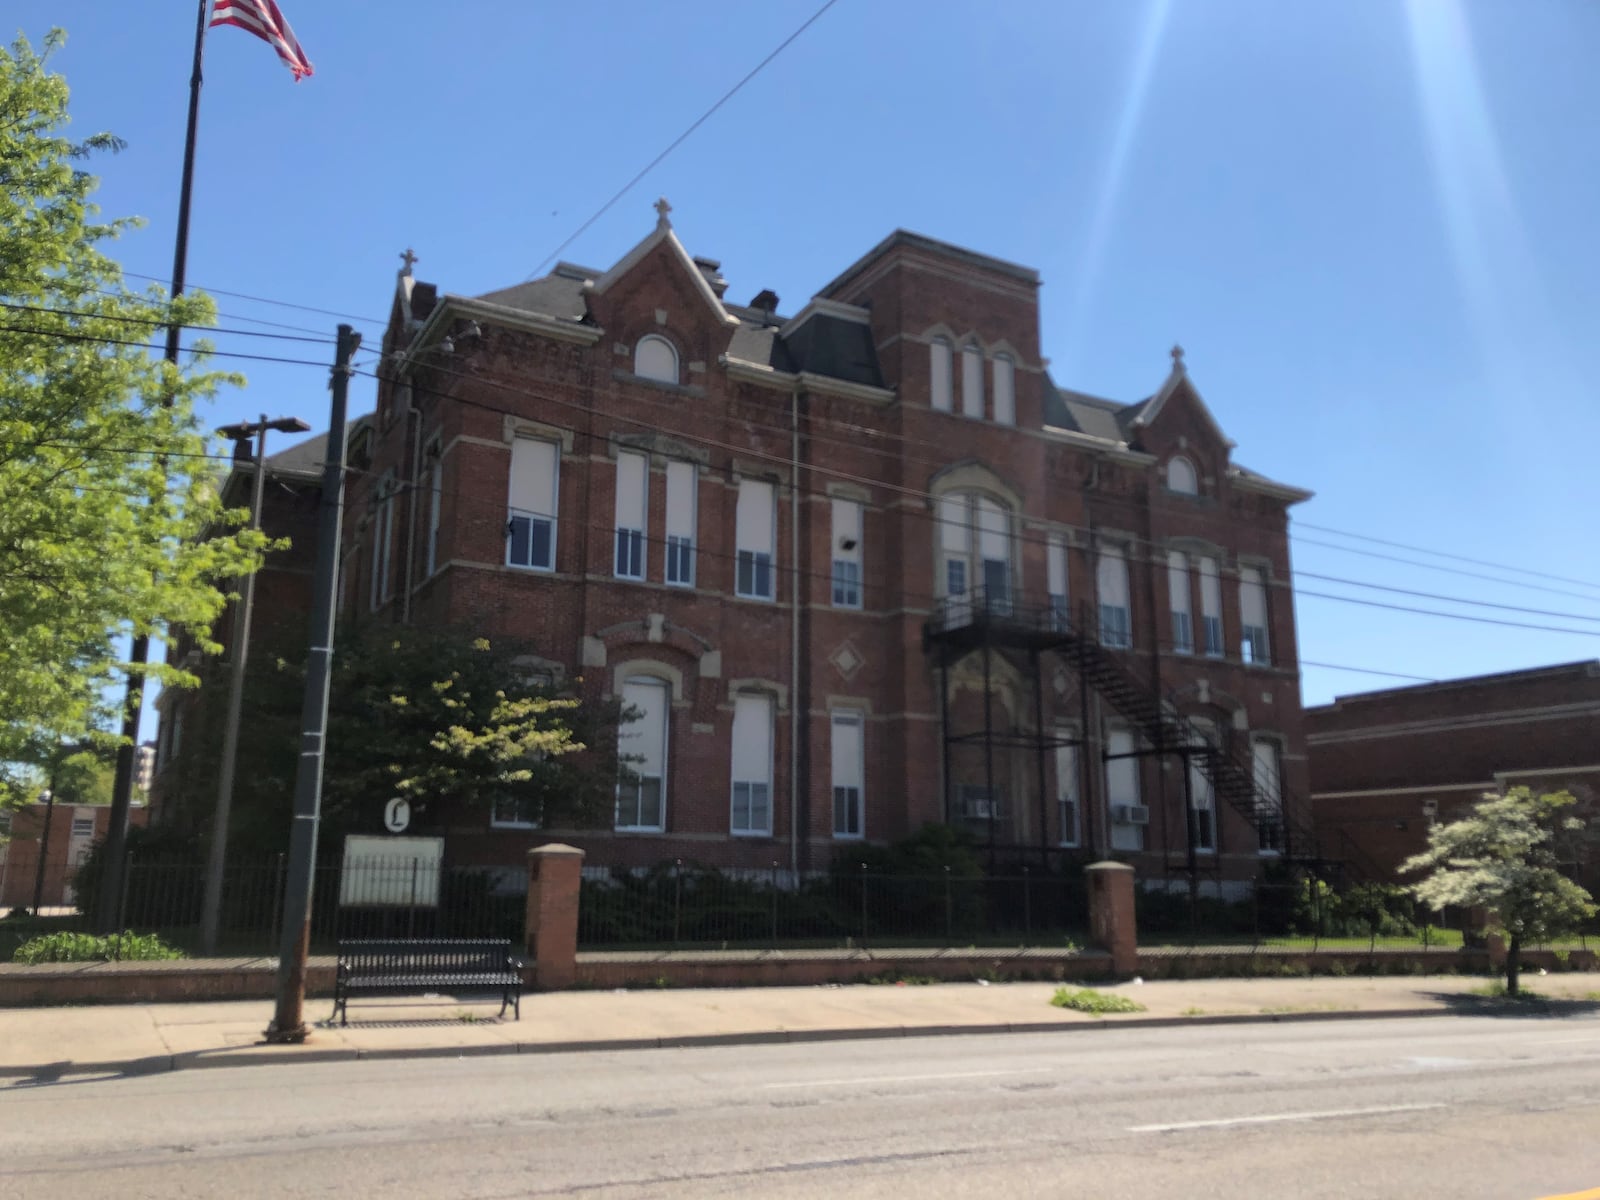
{"x": 655, "y": 358}
{"x": 1181, "y": 477}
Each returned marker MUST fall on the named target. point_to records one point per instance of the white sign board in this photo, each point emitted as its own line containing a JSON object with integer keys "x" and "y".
{"x": 391, "y": 872}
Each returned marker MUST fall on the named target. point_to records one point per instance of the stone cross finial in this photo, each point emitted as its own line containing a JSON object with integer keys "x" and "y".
{"x": 1177, "y": 358}
{"x": 662, "y": 209}
{"x": 408, "y": 258}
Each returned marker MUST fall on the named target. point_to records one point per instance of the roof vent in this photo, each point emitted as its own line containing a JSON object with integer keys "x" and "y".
{"x": 766, "y": 300}
{"x": 566, "y": 270}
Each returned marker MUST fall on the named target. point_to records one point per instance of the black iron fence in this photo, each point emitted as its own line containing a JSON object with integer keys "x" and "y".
{"x": 354, "y": 899}
{"x": 675, "y": 905}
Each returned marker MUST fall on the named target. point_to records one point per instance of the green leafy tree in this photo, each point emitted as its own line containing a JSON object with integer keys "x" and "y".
{"x": 1505, "y": 856}
{"x": 99, "y": 502}
{"x": 440, "y": 716}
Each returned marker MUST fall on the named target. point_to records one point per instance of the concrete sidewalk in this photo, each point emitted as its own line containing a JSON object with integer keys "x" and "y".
{"x": 41, "y": 1044}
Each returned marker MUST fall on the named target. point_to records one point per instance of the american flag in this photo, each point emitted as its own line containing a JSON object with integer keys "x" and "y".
{"x": 262, "y": 18}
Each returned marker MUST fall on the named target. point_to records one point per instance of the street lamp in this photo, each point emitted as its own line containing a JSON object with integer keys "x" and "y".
{"x": 211, "y": 911}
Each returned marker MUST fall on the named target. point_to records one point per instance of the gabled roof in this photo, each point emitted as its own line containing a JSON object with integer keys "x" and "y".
{"x": 663, "y": 235}
{"x": 553, "y": 295}
{"x": 1082, "y": 413}
{"x": 1145, "y": 414}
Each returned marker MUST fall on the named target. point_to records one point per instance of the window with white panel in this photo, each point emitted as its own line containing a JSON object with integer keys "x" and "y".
{"x": 1111, "y": 578}
{"x": 848, "y": 767}
{"x": 846, "y": 553}
{"x": 752, "y": 764}
{"x": 633, "y": 473}
{"x": 1253, "y": 646}
{"x": 682, "y": 485}
{"x": 1005, "y": 390}
{"x": 755, "y": 534}
{"x": 383, "y": 541}
{"x": 972, "y": 381}
{"x": 1202, "y": 801}
{"x": 656, "y": 358}
{"x": 1056, "y": 571}
{"x": 940, "y": 370}
{"x": 1181, "y": 477}
{"x": 1266, "y": 762}
{"x": 994, "y": 551}
{"x": 642, "y": 751}
{"x": 532, "y": 527}
{"x": 1178, "y": 601}
{"x": 1069, "y": 816}
{"x": 1211, "y": 609}
{"x": 1128, "y": 816}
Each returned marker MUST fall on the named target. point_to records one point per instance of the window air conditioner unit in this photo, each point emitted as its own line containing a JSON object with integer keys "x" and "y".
{"x": 1130, "y": 814}
{"x": 980, "y": 808}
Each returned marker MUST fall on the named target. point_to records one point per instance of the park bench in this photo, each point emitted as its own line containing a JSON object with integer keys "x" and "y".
{"x": 370, "y": 967}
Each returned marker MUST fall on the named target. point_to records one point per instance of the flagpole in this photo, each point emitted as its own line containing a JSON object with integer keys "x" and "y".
{"x": 139, "y": 652}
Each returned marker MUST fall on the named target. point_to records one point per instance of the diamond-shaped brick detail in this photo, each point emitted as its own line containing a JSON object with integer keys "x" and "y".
{"x": 847, "y": 660}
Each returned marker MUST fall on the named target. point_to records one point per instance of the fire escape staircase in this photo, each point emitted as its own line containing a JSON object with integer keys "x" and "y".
{"x": 964, "y": 623}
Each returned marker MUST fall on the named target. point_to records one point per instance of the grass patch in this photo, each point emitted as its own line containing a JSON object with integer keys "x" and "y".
{"x": 68, "y": 947}
{"x": 1087, "y": 1000}
{"x": 1497, "y": 991}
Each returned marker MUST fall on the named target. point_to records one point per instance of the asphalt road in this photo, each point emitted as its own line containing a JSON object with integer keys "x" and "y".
{"x": 1455, "y": 1107}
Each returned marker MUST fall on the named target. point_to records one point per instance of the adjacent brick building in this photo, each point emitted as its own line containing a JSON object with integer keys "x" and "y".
{"x": 73, "y": 829}
{"x": 1385, "y": 765}
{"x": 282, "y": 601}
{"x": 857, "y": 569}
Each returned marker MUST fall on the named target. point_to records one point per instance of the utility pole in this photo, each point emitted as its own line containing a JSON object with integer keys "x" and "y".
{"x": 139, "y": 652}
{"x": 288, "y": 1023}
{"x": 211, "y": 910}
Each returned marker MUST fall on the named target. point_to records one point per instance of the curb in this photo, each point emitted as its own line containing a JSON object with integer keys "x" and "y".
{"x": 258, "y": 1056}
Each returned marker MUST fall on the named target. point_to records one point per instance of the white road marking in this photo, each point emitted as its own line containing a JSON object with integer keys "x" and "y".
{"x": 1267, "y": 1118}
{"x": 805, "y": 1083}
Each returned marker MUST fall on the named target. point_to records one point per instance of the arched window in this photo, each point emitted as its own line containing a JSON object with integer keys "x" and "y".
{"x": 655, "y": 358}
{"x": 1005, "y": 400}
{"x": 972, "y": 381}
{"x": 939, "y": 370}
{"x": 1181, "y": 476}
{"x": 975, "y": 549}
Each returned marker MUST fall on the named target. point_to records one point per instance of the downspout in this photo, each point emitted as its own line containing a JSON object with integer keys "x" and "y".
{"x": 799, "y": 697}
{"x": 414, "y": 415}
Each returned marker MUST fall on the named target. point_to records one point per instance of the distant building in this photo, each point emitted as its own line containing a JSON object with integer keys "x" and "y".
{"x": 74, "y": 828}
{"x": 1386, "y": 764}
{"x": 144, "y": 766}
{"x": 283, "y": 591}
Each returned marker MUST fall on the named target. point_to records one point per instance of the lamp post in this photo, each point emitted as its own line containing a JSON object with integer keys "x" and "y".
{"x": 49, "y": 799}
{"x": 211, "y": 910}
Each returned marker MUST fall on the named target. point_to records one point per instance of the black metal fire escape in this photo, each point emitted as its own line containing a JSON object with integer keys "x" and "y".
{"x": 967, "y": 623}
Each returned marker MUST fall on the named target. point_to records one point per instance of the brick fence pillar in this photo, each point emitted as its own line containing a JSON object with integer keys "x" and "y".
{"x": 554, "y": 874}
{"x": 1111, "y": 920}
{"x": 1483, "y": 932}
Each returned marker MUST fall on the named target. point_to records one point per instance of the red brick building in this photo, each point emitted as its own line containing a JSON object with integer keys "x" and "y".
{"x": 857, "y": 569}
{"x": 283, "y": 593}
{"x": 73, "y": 829}
{"x": 1384, "y": 765}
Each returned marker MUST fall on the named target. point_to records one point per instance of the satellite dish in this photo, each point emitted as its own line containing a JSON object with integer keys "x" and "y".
{"x": 397, "y": 815}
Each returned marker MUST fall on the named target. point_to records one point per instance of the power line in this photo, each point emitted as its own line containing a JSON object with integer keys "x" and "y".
{"x": 680, "y": 139}
{"x": 1477, "y": 562}
{"x": 1023, "y": 536}
{"x": 62, "y": 335}
{"x": 325, "y": 312}
{"x": 1429, "y": 612}
{"x": 155, "y": 323}
{"x": 1380, "y": 587}
{"x": 918, "y": 494}
{"x": 1306, "y": 662}
{"x": 1411, "y": 562}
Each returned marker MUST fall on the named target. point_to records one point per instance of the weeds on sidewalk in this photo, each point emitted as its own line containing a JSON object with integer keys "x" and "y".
{"x": 1087, "y": 1000}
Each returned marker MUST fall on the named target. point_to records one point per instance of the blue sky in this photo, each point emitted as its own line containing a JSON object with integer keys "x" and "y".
{"x": 1369, "y": 222}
